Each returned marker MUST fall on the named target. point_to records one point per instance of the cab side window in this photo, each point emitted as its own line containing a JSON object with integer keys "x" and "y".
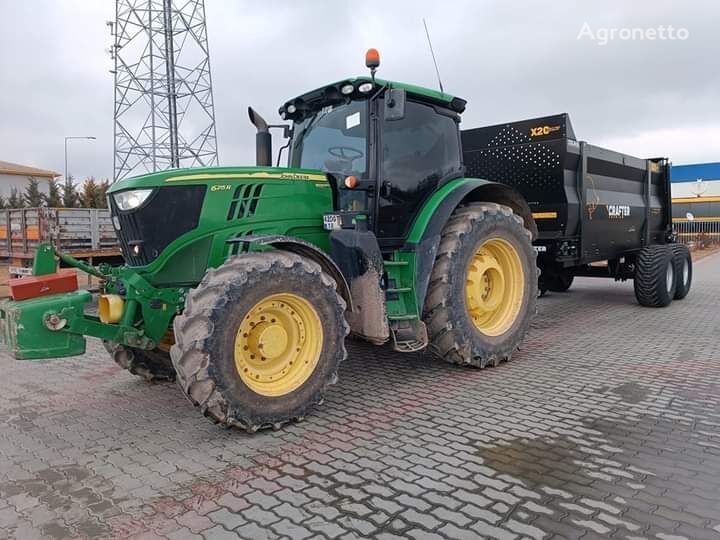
{"x": 422, "y": 147}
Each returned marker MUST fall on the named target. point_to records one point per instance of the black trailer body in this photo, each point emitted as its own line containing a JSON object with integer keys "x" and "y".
{"x": 590, "y": 204}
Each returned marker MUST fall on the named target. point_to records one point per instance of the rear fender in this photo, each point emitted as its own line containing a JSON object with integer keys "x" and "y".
{"x": 424, "y": 237}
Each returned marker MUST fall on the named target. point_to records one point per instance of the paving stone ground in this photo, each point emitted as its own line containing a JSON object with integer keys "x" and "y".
{"x": 606, "y": 424}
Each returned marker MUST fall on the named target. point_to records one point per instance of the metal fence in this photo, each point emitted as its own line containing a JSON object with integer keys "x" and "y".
{"x": 698, "y": 232}
{"x": 86, "y": 231}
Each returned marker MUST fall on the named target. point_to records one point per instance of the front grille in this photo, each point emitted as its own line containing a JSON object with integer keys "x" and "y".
{"x": 169, "y": 212}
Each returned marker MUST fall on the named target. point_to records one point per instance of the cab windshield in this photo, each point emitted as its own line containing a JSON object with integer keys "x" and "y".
{"x": 334, "y": 139}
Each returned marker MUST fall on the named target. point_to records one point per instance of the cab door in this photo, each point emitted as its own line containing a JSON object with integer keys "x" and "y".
{"x": 416, "y": 153}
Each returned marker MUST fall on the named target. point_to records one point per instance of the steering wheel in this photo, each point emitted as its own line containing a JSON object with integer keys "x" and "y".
{"x": 346, "y": 153}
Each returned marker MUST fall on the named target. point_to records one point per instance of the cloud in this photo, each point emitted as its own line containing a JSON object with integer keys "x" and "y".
{"x": 509, "y": 60}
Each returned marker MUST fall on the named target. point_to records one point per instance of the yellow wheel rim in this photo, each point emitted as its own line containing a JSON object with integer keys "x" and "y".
{"x": 278, "y": 344}
{"x": 494, "y": 287}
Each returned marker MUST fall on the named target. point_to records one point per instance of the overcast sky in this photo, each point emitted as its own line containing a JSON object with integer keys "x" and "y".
{"x": 510, "y": 60}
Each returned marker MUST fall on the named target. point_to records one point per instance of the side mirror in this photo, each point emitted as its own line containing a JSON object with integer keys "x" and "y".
{"x": 395, "y": 104}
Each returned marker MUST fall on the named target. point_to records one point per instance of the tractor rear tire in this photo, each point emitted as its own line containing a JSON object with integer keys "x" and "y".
{"x": 655, "y": 283}
{"x": 154, "y": 365}
{"x": 483, "y": 288}
{"x": 683, "y": 270}
{"x": 260, "y": 340}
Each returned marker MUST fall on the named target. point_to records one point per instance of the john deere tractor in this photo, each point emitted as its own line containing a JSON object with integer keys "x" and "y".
{"x": 244, "y": 282}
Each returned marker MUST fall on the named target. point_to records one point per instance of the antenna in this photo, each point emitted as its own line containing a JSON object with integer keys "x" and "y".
{"x": 432, "y": 52}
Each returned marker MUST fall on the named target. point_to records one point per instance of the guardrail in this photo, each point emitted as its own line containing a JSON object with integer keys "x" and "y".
{"x": 698, "y": 232}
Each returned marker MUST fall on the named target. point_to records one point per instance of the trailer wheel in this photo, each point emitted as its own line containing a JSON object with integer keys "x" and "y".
{"x": 683, "y": 270}
{"x": 655, "y": 281}
{"x": 260, "y": 340}
{"x": 559, "y": 281}
{"x": 154, "y": 365}
{"x": 483, "y": 287}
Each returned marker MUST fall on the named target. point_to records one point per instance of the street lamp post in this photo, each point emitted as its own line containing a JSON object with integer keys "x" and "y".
{"x": 66, "y": 141}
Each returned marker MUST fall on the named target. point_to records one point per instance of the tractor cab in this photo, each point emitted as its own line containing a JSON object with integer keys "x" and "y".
{"x": 386, "y": 146}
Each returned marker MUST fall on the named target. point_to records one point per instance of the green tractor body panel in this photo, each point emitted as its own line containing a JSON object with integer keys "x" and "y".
{"x": 429, "y": 211}
{"x": 410, "y": 266}
{"x": 237, "y": 201}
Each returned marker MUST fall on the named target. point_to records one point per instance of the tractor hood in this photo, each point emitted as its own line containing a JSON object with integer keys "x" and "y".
{"x": 167, "y": 221}
{"x": 207, "y": 175}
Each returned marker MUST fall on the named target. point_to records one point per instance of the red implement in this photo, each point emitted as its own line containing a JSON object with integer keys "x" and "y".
{"x": 62, "y": 281}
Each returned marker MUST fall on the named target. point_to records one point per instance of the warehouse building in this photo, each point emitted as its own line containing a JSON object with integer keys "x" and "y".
{"x": 696, "y": 190}
{"x": 13, "y": 175}
{"x": 696, "y": 201}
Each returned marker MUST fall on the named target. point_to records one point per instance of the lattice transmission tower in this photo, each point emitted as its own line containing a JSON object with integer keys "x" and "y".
{"x": 164, "y": 111}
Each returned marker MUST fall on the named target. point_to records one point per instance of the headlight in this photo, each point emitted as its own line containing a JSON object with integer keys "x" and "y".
{"x": 347, "y": 89}
{"x": 365, "y": 87}
{"x": 128, "y": 200}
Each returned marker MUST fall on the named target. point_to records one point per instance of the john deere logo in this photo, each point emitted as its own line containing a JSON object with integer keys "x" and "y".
{"x": 543, "y": 130}
{"x": 296, "y": 176}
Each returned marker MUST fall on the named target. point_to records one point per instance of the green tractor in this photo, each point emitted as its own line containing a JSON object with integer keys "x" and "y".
{"x": 244, "y": 282}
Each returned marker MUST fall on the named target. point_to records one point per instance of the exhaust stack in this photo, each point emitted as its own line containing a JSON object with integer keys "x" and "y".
{"x": 263, "y": 139}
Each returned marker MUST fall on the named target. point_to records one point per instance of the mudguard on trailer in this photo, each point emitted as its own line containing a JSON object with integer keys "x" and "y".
{"x": 424, "y": 237}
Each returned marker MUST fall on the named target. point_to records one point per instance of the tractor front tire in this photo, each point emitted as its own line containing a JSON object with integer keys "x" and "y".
{"x": 483, "y": 288}
{"x": 683, "y": 270}
{"x": 260, "y": 340}
{"x": 655, "y": 283}
{"x": 153, "y": 366}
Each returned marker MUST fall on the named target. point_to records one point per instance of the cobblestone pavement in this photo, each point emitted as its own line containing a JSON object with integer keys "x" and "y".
{"x": 606, "y": 424}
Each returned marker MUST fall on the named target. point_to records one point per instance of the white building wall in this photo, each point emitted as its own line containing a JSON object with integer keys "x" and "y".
{"x": 706, "y": 188}
{"x": 9, "y": 181}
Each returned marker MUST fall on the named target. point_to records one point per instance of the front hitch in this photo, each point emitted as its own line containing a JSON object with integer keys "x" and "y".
{"x": 50, "y": 323}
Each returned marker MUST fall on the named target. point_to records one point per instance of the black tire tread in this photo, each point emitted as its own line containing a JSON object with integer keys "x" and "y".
{"x": 561, "y": 283}
{"x": 153, "y": 366}
{"x": 194, "y": 326}
{"x": 649, "y": 282}
{"x": 445, "y": 342}
{"x": 680, "y": 252}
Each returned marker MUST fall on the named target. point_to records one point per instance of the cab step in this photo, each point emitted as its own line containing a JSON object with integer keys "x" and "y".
{"x": 408, "y": 336}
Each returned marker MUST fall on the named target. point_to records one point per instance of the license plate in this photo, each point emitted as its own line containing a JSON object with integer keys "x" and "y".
{"x": 19, "y": 271}
{"x": 331, "y": 222}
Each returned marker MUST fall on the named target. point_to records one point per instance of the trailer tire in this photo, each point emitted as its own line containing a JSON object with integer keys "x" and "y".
{"x": 494, "y": 235}
{"x": 655, "y": 282}
{"x": 153, "y": 366}
{"x": 560, "y": 281}
{"x": 683, "y": 270}
{"x": 251, "y": 305}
